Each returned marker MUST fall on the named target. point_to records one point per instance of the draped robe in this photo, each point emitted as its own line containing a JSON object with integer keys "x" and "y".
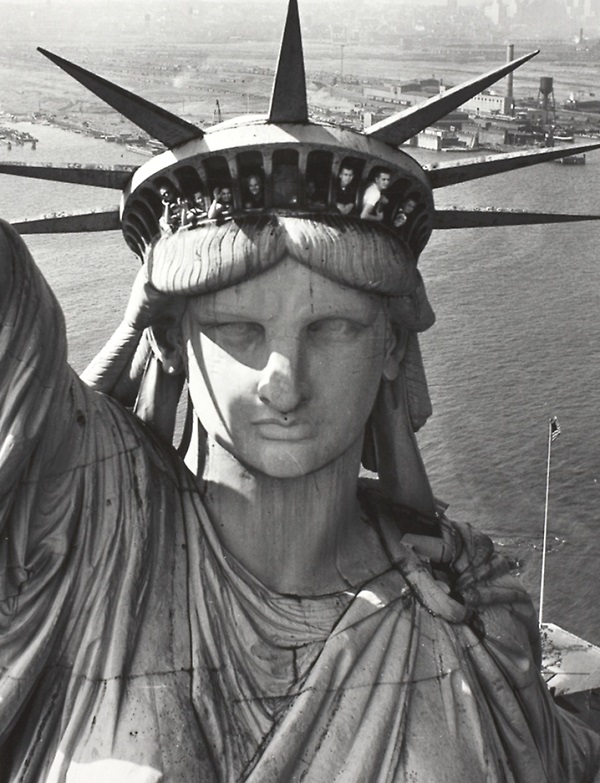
{"x": 134, "y": 648}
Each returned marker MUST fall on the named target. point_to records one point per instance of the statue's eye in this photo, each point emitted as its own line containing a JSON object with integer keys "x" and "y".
{"x": 235, "y": 332}
{"x": 334, "y": 328}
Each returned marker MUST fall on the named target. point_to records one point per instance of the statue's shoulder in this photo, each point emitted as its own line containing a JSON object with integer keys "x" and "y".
{"x": 463, "y": 547}
{"x": 456, "y": 554}
{"x": 99, "y": 431}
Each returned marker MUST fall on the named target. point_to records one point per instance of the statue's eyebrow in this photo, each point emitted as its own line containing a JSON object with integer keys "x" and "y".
{"x": 223, "y": 316}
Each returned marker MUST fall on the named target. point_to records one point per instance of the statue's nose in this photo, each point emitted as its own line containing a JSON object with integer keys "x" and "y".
{"x": 280, "y": 385}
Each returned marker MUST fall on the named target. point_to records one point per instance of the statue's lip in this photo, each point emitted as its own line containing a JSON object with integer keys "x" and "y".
{"x": 281, "y": 429}
{"x": 281, "y": 422}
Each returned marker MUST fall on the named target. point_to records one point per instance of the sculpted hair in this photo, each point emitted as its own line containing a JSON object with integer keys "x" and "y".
{"x": 360, "y": 254}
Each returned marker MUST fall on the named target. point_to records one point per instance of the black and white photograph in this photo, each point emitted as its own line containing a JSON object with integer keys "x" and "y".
{"x": 299, "y": 390}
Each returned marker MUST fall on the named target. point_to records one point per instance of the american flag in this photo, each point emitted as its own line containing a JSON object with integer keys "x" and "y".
{"x": 554, "y": 428}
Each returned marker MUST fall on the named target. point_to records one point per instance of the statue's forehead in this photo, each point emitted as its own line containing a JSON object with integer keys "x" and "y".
{"x": 289, "y": 285}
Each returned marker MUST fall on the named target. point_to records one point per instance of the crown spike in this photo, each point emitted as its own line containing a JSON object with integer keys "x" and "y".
{"x": 486, "y": 218}
{"x": 288, "y": 100}
{"x": 73, "y": 222}
{"x": 445, "y": 174}
{"x": 400, "y": 127}
{"x": 157, "y": 122}
{"x": 95, "y": 175}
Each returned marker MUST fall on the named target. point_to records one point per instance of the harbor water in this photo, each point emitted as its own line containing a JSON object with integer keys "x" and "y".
{"x": 517, "y": 341}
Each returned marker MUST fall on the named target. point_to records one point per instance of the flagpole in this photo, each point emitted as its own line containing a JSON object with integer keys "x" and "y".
{"x": 553, "y": 431}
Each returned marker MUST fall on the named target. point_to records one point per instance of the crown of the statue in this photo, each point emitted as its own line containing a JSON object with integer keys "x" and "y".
{"x": 253, "y": 166}
{"x": 292, "y": 164}
{"x": 283, "y": 161}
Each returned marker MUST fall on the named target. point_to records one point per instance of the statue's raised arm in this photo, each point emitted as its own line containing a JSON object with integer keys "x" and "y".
{"x": 32, "y": 355}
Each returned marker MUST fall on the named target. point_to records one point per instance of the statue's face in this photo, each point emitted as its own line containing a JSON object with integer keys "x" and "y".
{"x": 283, "y": 369}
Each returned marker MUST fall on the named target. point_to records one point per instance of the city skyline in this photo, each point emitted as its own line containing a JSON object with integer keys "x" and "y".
{"x": 365, "y": 22}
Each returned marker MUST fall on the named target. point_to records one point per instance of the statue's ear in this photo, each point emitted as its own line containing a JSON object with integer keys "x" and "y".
{"x": 167, "y": 344}
{"x": 395, "y": 348}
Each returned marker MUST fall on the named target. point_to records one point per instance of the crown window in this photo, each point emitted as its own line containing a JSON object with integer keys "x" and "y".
{"x": 318, "y": 178}
{"x": 218, "y": 174}
{"x": 285, "y": 178}
{"x": 252, "y": 179}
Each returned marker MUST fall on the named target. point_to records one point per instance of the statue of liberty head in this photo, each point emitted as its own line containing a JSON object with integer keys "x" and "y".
{"x": 292, "y": 246}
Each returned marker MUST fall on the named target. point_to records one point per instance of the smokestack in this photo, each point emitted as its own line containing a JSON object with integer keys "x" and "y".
{"x": 510, "y": 55}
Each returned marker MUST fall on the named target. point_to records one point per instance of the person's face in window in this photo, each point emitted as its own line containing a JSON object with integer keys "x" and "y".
{"x": 346, "y": 177}
{"x": 166, "y": 194}
{"x": 254, "y": 186}
{"x": 382, "y": 181}
{"x": 225, "y": 197}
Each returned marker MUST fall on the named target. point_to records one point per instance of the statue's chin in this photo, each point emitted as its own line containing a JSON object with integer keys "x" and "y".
{"x": 288, "y": 459}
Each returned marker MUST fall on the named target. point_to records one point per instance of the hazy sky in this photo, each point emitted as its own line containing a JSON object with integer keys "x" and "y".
{"x": 5, "y": 3}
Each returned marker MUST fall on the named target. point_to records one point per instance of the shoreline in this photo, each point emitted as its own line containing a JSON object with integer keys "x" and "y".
{"x": 13, "y": 136}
